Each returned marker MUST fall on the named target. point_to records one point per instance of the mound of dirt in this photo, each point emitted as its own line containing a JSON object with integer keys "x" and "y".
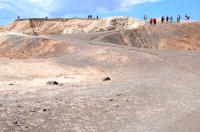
{"x": 49, "y": 27}
{"x": 183, "y": 36}
{"x": 25, "y": 47}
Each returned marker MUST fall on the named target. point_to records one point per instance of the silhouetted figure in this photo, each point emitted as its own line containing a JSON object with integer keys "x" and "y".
{"x": 167, "y": 18}
{"x": 97, "y": 16}
{"x": 178, "y": 18}
{"x": 162, "y": 19}
{"x": 150, "y": 21}
{"x": 188, "y": 17}
{"x": 171, "y": 19}
{"x": 18, "y": 17}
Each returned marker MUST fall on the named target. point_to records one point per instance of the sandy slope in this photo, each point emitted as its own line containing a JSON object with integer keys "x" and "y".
{"x": 150, "y": 89}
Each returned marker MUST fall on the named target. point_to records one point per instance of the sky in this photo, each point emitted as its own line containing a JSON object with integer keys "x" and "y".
{"x": 11, "y": 9}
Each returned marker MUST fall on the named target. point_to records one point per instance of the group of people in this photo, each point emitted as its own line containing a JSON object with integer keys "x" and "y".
{"x": 187, "y": 17}
{"x": 170, "y": 19}
{"x": 90, "y": 16}
{"x": 145, "y": 17}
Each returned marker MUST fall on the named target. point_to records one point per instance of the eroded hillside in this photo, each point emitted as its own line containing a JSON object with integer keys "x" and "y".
{"x": 70, "y": 26}
{"x": 183, "y": 36}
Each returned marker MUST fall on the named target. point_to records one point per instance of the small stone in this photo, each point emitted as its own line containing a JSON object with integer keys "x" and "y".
{"x": 111, "y": 99}
{"x": 52, "y": 82}
{"x": 106, "y": 79}
{"x": 117, "y": 106}
{"x": 1, "y": 105}
{"x": 44, "y": 110}
{"x": 33, "y": 111}
{"x": 61, "y": 84}
{"x": 118, "y": 94}
{"x": 10, "y": 84}
{"x": 18, "y": 105}
{"x": 14, "y": 122}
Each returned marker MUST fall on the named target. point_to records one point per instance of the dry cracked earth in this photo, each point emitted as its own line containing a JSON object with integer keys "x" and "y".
{"x": 154, "y": 86}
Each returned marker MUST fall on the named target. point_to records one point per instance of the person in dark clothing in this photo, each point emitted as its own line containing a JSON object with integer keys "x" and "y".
{"x": 162, "y": 19}
{"x": 167, "y": 18}
{"x": 97, "y": 16}
{"x": 188, "y": 17}
{"x": 178, "y": 18}
{"x": 150, "y": 21}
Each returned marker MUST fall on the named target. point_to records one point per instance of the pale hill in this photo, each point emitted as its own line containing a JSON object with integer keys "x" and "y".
{"x": 70, "y": 26}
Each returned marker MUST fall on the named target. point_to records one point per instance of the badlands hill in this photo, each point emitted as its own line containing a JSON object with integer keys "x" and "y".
{"x": 70, "y": 26}
{"x": 152, "y": 88}
{"x": 17, "y": 40}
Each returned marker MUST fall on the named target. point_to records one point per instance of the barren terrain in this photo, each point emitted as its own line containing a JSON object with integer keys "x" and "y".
{"x": 154, "y": 86}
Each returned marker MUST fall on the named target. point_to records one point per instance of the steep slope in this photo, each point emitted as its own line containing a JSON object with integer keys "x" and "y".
{"x": 183, "y": 36}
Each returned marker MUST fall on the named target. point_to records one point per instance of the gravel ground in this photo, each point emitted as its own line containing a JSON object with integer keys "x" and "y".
{"x": 150, "y": 90}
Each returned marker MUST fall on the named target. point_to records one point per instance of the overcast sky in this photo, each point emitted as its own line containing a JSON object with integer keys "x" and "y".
{"x": 10, "y": 9}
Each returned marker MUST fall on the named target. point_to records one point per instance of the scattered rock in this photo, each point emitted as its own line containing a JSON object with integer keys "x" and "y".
{"x": 14, "y": 122}
{"x": 106, "y": 79}
{"x": 117, "y": 106}
{"x": 111, "y": 99}
{"x": 33, "y": 111}
{"x": 52, "y": 82}
{"x": 118, "y": 94}
{"x": 1, "y": 105}
{"x": 61, "y": 84}
{"x": 44, "y": 110}
{"x": 10, "y": 84}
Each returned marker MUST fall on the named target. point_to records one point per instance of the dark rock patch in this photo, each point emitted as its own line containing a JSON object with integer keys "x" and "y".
{"x": 106, "y": 79}
{"x": 52, "y": 83}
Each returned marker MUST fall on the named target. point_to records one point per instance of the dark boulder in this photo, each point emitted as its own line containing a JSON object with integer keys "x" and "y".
{"x": 106, "y": 79}
{"x": 52, "y": 83}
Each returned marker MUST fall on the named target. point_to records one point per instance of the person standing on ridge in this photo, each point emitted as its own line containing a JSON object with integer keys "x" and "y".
{"x": 162, "y": 19}
{"x": 150, "y": 21}
{"x": 188, "y": 17}
{"x": 167, "y": 18}
{"x": 178, "y": 18}
{"x": 171, "y": 19}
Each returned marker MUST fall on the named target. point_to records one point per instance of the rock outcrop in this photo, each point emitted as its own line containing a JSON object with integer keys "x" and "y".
{"x": 106, "y": 24}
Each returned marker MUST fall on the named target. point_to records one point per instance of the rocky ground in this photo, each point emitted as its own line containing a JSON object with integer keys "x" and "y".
{"x": 151, "y": 88}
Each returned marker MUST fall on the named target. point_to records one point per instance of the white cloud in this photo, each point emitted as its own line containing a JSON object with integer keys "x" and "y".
{"x": 59, "y": 8}
{"x": 135, "y": 2}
